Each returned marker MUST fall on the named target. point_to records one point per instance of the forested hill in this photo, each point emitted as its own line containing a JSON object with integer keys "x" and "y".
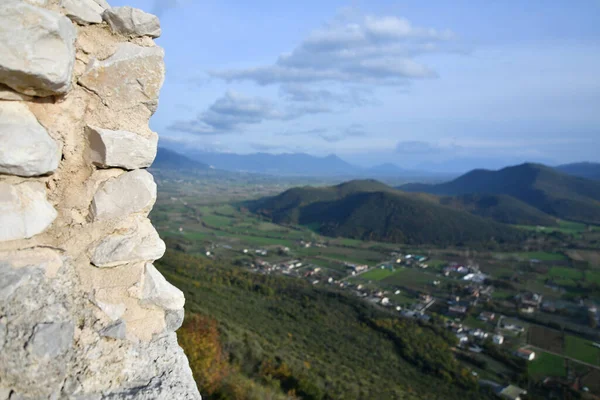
{"x": 550, "y": 191}
{"x": 369, "y": 210}
{"x": 587, "y": 170}
{"x": 269, "y": 336}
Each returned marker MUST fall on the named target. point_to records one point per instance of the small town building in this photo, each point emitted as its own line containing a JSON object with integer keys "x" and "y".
{"x": 525, "y": 354}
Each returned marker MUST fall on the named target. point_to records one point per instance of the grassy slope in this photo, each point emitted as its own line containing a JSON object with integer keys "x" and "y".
{"x": 286, "y": 319}
{"x": 544, "y": 188}
{"x": 500, "y": 208}
{"x": 369, "y": 210}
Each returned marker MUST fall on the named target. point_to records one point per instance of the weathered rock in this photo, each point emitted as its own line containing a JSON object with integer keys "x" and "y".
{"x": 27, "y": 149}
{"x": 132, "y": 76}
{"x": 24, "y": 210}
{"x": 7, "y": 93}
{"x": 103, "y": 3}
{"x": 174, "y": 319}
{"x": 117, "y": 330}
{"x": 132, "y": 192}
{"x": 132, "y": 22}
{"x": 39, "y": 60}
{"x": 139, "y": 243}
{"x": 51, "y": 339}
{"x": 113, "y": 311}
{"x": 121, "y": 148}
{"x": 84, "y": 12}
{"x": 12, "y": 279}
{"x": 155, "y": 290}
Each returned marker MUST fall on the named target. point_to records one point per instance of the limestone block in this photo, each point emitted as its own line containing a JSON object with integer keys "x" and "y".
{"x": 132, "y": 192}
{"x": 27, "y": 149}
{"x": 39, "y": 60}
{"x": 117, "y": 330}
{"x": 24, "y": 210}
{"x": 139, "y": 243}
{"x": 132, "y": 22}
{"x": 154, "y": 289}
{"x": 130, "y": 77}
{"x": 51, "y": 339}
{"x": 84, "y": 12}
{"x": 121, "y": 148}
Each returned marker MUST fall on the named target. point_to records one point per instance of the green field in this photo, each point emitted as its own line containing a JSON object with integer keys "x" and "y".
{"x": 546, "y": 364}
{"x": 413, "y": 278}
{"x": 565, "y": 273}
{"x": 376, "y": 274}
{"x": 581, "y": 349}
{"x": 541, "y": 256}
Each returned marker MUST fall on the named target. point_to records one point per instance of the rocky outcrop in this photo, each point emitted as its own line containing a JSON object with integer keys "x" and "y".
{"x": 84, "y": 314}
{"x": 132, "y": 22}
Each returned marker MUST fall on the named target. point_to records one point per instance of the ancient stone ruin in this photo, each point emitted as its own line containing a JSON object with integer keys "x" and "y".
{"x": 83, "y": 312}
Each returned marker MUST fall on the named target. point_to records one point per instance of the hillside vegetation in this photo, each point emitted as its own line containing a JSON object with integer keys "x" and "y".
{"x": 253, "y": 336}
{"x": 550, "y": 191}
{"x": 370, "y": 210}
{"x": 500, "y": 208}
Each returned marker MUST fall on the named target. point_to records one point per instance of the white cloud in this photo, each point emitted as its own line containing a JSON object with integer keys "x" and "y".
{"x": 233, "y": 110}
{"x": 368, "y": 49}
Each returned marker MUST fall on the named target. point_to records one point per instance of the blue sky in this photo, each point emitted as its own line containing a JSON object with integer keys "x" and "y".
{"x": 415, "y": 83}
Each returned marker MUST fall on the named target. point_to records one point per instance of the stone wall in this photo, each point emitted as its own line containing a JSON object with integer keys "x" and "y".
{"x": 83, "y": 312}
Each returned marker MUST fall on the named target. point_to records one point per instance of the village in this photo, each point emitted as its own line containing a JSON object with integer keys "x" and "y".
{"x": 503, "y": 334}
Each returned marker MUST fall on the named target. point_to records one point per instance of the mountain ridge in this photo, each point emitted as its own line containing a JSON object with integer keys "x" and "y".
{"x": 550, "y": 191}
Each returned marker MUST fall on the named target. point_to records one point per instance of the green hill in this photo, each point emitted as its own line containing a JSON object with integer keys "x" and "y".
{"x": 278, "y": 335}
{"x": 500, "y": 208}
{"x": 550, "y": 191}
{"x": 369, "y": 210}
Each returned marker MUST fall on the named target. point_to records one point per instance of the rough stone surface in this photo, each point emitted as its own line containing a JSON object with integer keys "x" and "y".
{"x": 156, "y": 290}
{"x": 117, "y": 330}
{"x": 132, "y": 76}
{"x": 69, "y": 329}
{"x": 51, "y": 339}
{"x": 140, "y": 243}
{"x": 83, "y": 12}
{"x": 132, "y": 192}
{"x": 103, "y": 3}
{"x": 121, "y": 148}
{"x": 24, "y": 210}
{"x": 27, "y": 149}
{"x": 132, "y": 22}
{"x": 174, "y": 319}
{"x": 39, "y": 60}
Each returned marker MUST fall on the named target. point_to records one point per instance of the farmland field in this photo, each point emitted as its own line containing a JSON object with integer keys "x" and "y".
{"x": 546, "y": 364}
{"x": 546, "y": 339}
{"x": 376, "y": 274}
{"x": 581, "y": 349}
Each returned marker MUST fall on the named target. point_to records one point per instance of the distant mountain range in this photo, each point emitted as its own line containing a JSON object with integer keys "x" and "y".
{"x": 370, "y": 210}
{"x": 547, "y": 189}
{"x": 583, "y": 170}
{"x": 300, "y": 164}
{"x": 168, "y": 159}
